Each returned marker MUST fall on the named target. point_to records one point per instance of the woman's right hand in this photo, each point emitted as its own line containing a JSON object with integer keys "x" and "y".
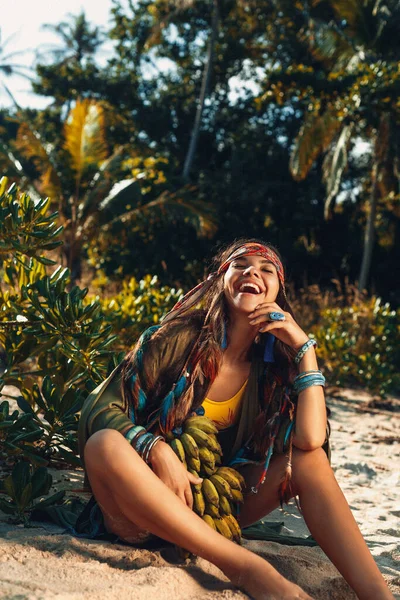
{"x": 167, "y": 466}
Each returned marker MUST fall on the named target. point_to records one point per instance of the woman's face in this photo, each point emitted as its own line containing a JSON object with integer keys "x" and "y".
{"x": 249, "y": 281}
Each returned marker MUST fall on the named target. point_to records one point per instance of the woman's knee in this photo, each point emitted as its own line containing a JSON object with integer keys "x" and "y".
{"x": 101, "y": 447}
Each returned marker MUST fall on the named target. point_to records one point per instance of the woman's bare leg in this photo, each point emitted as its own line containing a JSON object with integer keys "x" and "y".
{"x": 122, "y": 481}
{"x": 326, "y": 513}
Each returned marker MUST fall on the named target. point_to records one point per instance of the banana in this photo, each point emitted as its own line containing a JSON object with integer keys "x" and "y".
{"x": 202, "y": 439}
{"x": 223, "y": 528}
{"x": 210, "y": 492}
{"x": 233, "y": 526}
{"x": 207, "y": 470}
{"x": 202, "y": 423}
{"x": 194, "y": 464}
{"x": 189, "y": 445}
{"x": 217, "y": 458}
{"x": 210, "y": 521}
{"x": 199, "y": 504}
{"x": 236, "y": 474}
{"x": 217, "y": 446}
{"x": 179, "y": 450}
{"x": 232, "y": 480}
{"x": 196, "y": 487}
{"x": 237, "y": 496}
{"x": 212, "y": 511}
{"x": 222, "y": 486}
{"x": 224, "y": 506}
{"x": 207, "y": 457}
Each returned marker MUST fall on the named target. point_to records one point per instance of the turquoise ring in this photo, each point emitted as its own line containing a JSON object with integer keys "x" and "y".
{"x": 276, "y": 316}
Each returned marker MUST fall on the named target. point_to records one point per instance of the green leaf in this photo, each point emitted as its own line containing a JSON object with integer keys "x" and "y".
{"x": 41, "y": 482}
{"x": 21, "y": 476}
{"x": 24, "y": 405}
{"x": 25, "y": 498}
{"x": 7, "y": 507}
{"x": 51, "y": 499}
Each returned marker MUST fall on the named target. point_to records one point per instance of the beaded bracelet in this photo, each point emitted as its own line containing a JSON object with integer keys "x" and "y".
{"x": 304, "y": 349}
{"x": 308, "y": 379}
{"x": 133, "y": 432}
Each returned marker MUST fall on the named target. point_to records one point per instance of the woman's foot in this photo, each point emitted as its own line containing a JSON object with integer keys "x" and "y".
{"x": 261, "y": 581}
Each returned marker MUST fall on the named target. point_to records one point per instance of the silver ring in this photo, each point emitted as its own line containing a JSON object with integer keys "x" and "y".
{"x": 276, "y": 316}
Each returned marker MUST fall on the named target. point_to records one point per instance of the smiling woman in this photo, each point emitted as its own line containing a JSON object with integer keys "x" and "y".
{"x": 231, "y": 348}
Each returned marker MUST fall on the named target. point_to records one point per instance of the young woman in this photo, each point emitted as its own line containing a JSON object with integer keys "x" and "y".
{"x": 232, "y": 349}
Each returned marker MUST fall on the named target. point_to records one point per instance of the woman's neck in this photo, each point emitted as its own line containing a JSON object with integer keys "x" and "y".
{"x": 241, "y": 336}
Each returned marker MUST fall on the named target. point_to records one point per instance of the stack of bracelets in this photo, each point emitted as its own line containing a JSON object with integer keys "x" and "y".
{"x": 306, "y": 379}
{"x": 142, "y": 441}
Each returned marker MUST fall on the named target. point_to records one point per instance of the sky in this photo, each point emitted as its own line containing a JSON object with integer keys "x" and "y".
{"x": 21, "y": 22}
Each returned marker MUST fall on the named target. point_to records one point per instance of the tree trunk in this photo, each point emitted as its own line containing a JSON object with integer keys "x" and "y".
{"x": 369, "y": 236}
{"x": 203, "y": 93}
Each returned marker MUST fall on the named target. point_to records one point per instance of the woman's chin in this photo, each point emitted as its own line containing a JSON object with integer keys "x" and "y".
{"x": 247, "y": 302}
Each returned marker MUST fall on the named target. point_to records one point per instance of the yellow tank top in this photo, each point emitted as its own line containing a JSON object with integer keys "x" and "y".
{"x": 226, "y": 413}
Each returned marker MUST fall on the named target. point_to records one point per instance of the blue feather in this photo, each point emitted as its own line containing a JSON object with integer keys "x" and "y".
{"x": 179, "y": 387}
{"x": 142, "y": 399}
{"x": 139, "y": 359}
{"x": 269, "y": 348}
{"x": 288, "y": 430}
{"x": 166, "y": 406}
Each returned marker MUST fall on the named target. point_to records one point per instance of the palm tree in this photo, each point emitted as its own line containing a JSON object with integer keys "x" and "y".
{"x": 205, "y": 84}
{"x": 79, "y": 40}
{"x": 358, "y": 43}
{"x": 86, "y": 190}
{"x": 8, "y": 66}
{"x": 154, "y": 39}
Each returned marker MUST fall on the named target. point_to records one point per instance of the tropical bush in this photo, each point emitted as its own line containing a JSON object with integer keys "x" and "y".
{"x": 138, "y": 305}
{"x": 358, "y": 337}
{"x": 359, "y": 345}
{"x": 55, "y": 346}
{"x": 57, "y": 343}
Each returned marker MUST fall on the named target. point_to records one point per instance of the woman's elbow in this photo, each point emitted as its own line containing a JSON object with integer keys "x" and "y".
{"x": 308, "y": 443}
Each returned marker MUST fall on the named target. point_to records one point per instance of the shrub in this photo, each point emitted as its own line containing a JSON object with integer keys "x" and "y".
{"x": 359, "y": 345}
{"x": 138, "y": 305}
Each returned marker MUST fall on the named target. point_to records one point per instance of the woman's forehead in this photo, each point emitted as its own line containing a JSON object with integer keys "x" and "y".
{"x": 254, "y": 258}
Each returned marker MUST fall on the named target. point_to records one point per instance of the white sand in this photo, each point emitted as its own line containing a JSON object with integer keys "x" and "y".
{"x": 42, "y": 563}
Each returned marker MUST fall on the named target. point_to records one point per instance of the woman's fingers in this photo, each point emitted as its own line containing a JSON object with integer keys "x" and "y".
{"x": 193, "y": 479}
{"x": 189, "y": 497}
{"x": 272, "y": 326}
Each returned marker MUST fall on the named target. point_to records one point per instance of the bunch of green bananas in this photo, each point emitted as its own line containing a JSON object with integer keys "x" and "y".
{"x": 198, "y": 448}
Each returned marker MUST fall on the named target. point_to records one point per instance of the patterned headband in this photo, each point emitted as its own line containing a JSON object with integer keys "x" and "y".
{"x": 259, "y": 250}
{"x": 194, "y": 295}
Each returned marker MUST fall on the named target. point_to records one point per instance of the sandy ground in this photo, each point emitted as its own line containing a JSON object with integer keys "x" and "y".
{"x": 42, "y": 562}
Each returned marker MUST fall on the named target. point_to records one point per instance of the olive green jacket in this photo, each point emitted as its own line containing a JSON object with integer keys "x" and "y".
{"x": 106, "y": 407}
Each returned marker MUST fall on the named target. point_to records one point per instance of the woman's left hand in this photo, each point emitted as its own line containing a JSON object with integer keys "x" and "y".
{"x": 288, "y": 331}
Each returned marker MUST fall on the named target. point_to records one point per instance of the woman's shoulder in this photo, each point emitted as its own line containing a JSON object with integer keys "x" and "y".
{"x": 173, "y": 340}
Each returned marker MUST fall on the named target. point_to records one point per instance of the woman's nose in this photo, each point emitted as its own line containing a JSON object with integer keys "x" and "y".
{"x": 251, "y": 270}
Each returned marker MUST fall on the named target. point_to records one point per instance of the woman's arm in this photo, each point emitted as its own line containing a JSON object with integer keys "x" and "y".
{"x": 311, "y": 420}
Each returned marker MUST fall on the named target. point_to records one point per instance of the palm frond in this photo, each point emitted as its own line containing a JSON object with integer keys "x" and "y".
{"x": 334, "y": 165}
{"x": 31, "y": 146}
{"x": 12, "y": 162}
{"x": 101, "y": 183}
{"x": 314, "y": 137}
{"x": 85, "y": 136}
{"x": 171, "y": 208}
